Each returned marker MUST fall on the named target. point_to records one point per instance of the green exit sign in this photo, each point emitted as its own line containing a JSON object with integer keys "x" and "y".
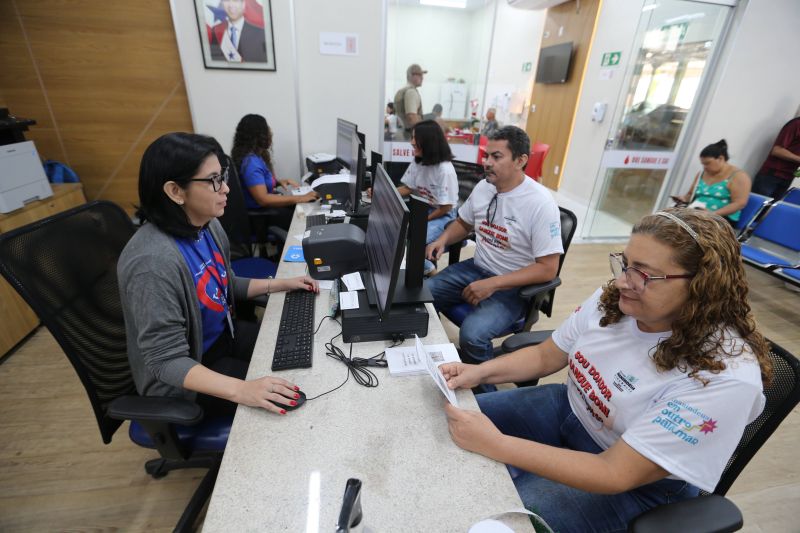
{"x": 611, "y": 59}
{"x": 526, "y": 67}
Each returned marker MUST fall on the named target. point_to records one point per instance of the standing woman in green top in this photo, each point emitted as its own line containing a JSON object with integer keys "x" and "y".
{"x": 721, "y": 187}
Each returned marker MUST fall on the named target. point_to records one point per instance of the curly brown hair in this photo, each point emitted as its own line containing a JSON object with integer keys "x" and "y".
{"x": 717, "y": 295}
{"x": 253, "y": 136}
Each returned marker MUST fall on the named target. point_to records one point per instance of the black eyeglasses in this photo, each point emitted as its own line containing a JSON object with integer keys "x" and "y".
{"x": 216, "y": 179}
{"x": 619, "y": 266}
{"x": 491, "y": 211}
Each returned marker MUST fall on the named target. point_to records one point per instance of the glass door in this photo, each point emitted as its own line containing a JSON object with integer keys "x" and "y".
{"x": 674, "y": 45}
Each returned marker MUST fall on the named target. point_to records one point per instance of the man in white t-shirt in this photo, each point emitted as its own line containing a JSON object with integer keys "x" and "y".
{"x": 518, "y": 235}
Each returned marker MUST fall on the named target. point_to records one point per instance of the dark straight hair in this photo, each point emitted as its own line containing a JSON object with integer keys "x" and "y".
{"x": 172, "y": 157}
{"x": 431, "y": 140}
{"x": 518, "y": 141}
{"x": 718, "y": 149}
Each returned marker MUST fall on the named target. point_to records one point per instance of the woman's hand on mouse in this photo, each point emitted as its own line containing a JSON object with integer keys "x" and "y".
{"x": 259, "y": 392}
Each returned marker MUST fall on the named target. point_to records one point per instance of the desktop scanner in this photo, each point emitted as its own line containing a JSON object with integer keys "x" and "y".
{"x": 333, "y": 250}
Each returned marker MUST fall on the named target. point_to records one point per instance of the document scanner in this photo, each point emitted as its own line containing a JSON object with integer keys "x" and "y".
{"x": 334, "y": 250}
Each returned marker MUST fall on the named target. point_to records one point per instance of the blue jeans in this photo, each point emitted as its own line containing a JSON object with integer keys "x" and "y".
{"x": 491, "y": 318}
{"x": 543, "y": 414}
{"x": 435, "y": 229}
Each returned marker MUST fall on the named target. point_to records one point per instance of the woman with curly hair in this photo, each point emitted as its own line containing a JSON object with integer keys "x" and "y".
{"x": 665, "y": 370}
{"x": 252, "y": 157}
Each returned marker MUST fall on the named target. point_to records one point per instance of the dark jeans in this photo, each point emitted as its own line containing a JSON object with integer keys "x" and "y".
{"x": 492, "y": 317}
{"x": 231, "y": 357}
{"x": 770, "y": 185}
{"x": 543, "y": 414}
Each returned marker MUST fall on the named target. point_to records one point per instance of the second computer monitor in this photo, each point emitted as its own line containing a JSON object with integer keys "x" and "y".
{"x": 357, "y": 185}
{"x": 346, "y": 136}
{"x": 385, "y": 240}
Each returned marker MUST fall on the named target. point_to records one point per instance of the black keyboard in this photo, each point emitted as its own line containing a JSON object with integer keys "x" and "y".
{"x": 315, "y": 220}
{"x": 295, "y": 343}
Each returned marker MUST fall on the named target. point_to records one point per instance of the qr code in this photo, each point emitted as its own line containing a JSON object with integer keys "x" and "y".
{"x": 437, "y": 357}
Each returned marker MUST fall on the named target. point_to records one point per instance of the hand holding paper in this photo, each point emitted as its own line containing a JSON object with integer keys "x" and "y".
{"x": 434, "y": 371}
{"x": 473, "y": 431}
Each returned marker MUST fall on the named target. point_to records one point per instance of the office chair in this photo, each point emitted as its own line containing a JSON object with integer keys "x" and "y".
{"x": 713, "y": 512}
{"x": 237, "y": 222}
{"x": 536, "y": 160}
{"x": 468, "y": 175}
{"x": 65, "y": 268}
{"x": 539, "y": 297}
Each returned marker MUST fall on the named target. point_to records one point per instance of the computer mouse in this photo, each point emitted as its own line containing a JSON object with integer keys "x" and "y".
{"x": 300, "y": 401}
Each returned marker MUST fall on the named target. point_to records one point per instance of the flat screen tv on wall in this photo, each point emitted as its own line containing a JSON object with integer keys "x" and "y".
{"x": 553, "y": 64}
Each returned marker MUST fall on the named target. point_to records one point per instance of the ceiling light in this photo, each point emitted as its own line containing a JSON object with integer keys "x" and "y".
{"x": 649, "y": 7}
{"x": 460, "y": 4}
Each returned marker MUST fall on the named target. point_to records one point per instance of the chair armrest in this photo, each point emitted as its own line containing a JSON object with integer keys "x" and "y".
{"x": 279, "y": 233}
{"x": 530, "y": 291}
{"x": 525, "y": 339}
{"x": 156, "y": 409}
{"x": 712, "y": 513}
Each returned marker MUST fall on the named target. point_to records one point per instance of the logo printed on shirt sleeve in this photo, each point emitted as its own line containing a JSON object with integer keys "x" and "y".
{"x": 675, "y": 418}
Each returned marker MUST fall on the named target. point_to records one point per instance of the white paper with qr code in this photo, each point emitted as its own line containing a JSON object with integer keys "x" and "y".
{"x": 433, "y": 370}
{"x": 403, "y": 360}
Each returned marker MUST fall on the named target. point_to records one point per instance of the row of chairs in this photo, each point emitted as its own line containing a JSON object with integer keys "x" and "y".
{"x": 770, "y": 237}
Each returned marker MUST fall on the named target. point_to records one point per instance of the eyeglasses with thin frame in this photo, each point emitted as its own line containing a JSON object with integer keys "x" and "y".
{"x": 491, "y": 211}
{"x": 216, "y": 179}
{"x": 638, "y": 282}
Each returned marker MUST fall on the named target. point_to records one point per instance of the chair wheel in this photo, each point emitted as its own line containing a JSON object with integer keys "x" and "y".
{"x": 156, "y": 468}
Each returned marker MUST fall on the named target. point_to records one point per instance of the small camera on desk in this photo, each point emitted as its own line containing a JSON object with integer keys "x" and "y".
{"x": 334, "y": 250}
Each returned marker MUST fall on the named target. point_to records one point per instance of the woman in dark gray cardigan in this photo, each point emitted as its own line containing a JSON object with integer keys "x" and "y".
{"x": 178, "y": 289}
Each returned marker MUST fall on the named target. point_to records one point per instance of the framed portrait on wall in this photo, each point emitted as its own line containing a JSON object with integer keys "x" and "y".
{"x": 236, "y": 34}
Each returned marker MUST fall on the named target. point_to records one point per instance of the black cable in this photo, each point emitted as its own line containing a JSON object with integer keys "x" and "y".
{"x": 357, "y": 367}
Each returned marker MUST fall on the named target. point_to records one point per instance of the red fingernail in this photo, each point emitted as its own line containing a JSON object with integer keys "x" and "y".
{"x": 293, "y": 402}
{"x": 296, "y": 396}
{"x": 297, "y": 388}
{"x": 283, "y": 411}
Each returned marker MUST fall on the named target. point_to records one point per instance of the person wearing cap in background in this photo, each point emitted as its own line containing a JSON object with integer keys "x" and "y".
{"x": 407, "y": 101}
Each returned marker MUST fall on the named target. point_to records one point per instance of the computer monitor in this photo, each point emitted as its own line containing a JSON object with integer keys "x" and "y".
{"x": 357, "y": 185}
{"x": 385, "y": 239}
{"x": 376, "y": 158}
{"x": 346, "y": 137}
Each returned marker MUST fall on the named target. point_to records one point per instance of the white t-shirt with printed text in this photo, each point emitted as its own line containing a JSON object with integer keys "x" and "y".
{"x": 435, "y": 183}
{"x": 615, "y": 390}
{"x": 526, "y": 225}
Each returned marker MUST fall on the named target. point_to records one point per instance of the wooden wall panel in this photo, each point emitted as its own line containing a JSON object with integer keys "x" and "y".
{"x": 553, "y": 118}
{"x": 101, "y": 79}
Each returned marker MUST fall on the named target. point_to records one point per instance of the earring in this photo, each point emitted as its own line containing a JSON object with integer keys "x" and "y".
{"x": 180, "y": 202}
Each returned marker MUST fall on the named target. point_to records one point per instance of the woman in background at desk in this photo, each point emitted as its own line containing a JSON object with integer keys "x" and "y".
{"x": 179, "y": 292}
{"x": 664, "y": 371}
{"x": 721, "y": 187}
{"x": 431, "y": 175}
{"x": 251, "y": 154}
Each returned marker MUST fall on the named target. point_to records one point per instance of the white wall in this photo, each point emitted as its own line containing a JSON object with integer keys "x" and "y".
{"x": 347, "y": 87}
{"x": 331, "y": 86}
{"x": 517, "y": 38}
{"x": 756, "y": 91}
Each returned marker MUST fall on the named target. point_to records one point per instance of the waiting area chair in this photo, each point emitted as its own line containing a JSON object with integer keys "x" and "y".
{"x": 65, "y": 268}
{"x": 535, "y": 164}
{"x": 713, "y": 513}
{"x": 756, "y": 205}
{"x": 773, "y": 244}
{"x": 539, "y": 297}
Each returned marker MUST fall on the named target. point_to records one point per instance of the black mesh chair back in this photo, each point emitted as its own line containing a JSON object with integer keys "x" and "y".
{"x": 782, "y": 394}
{"x": 468, "y": 175}
{"x": 544, "y": 302}
{"x": 65, "y": 268}
{"x": 235, "y": 220}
